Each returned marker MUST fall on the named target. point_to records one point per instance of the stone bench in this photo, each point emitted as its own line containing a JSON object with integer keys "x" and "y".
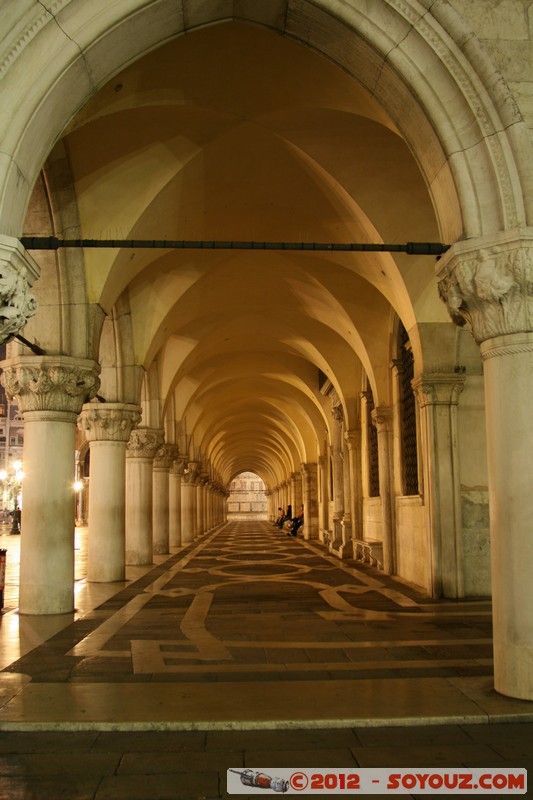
{"x": 368, "y": 552}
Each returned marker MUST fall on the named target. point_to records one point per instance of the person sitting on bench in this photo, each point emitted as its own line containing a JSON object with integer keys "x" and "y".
{"x": 297, "y": 523}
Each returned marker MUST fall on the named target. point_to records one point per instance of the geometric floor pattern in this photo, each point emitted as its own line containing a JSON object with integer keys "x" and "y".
{"x": 246, "y": 649}
{"x": 250, "y": 603}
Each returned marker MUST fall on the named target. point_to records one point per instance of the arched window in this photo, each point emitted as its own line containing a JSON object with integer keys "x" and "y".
{"x": 407, "y": 414}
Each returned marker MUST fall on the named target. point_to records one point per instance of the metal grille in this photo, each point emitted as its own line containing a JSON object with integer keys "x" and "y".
{"x": 408, "y": 415}
{"x": 372, "y": 445}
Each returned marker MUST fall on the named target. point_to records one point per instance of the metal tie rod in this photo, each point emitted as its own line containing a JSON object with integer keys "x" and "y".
{"x": 411, "y": 248}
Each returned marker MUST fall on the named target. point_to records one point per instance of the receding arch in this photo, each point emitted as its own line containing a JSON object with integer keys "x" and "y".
{"x": 483, "y": 134}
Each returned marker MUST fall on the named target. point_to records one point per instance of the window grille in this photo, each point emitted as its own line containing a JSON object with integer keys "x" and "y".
{"x": 372, "y": 446}
{"x": 408, "y": 415}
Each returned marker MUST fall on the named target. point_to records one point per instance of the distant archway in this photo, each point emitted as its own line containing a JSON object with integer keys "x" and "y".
{"x": 247, "y": 498}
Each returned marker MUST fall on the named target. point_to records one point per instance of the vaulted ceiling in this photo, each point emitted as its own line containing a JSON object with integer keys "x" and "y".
{"x": 234, "y": 132}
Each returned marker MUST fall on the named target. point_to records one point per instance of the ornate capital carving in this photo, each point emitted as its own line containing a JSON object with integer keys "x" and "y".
{"x": 163, "y": 459}
{"x": 108, "y": 422}
{"x": 144, "y": 443}
{"x": 382, "y": 418}
{"x": 18, "y": 271}
{"x": 438, "y": 388}
{"x": 336, "y": 407}
{"x": 308, "y": 470}
{"x": 178, "y": 467}
{"x": 50, "y": 383}
{"x": 352, "y": 439}
{"x": 487, "y": 285}
{"x": 191, "y": 472}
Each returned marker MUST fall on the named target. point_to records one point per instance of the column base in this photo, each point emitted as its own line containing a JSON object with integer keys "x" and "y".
{"x": 134, "y": 559}
{"x": 40, "y": 599}
{"x": 513, "y": 670}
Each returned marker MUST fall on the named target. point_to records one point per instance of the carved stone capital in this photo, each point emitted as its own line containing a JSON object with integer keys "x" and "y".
{"x": 191, "y": 472}
{"x": 108, "y": 422}
{"x": 18, "y": 271}
{"x": 144, "y": 443}
{"x": 163, "y": 458}
{"x": 178, "y": 467}
{"x": 308, "y": 470}
{"x": 438, "y": 389}
{"x": 352, "y": 439}
{"x": 336, "y": 409}
{"x": 50, "y": 383}
{"x": 173, "y": 451}
{"x": 487, "y": 284}
{"x": 382, "y": 418}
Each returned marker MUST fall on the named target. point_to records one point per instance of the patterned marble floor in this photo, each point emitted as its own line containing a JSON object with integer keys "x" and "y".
{"x": 291, "y": 634}
{"x": 249, "y": 602}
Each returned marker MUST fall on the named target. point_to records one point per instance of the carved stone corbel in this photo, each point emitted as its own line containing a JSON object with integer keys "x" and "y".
{"x": 18, "y": 272}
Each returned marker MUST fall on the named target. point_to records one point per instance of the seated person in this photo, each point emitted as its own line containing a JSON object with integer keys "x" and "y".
{"x": 280, "y": 518}
{"x": 297, "y": 523}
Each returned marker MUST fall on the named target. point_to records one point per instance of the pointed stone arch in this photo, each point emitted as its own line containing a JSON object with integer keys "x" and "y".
{"x": 463, "y": 126}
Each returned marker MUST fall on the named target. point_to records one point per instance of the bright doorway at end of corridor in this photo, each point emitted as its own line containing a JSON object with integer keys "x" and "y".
{"x": 247, "y": 497}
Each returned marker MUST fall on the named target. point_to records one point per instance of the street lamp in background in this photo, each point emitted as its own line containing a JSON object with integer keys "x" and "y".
{"x": 13, "y": 492}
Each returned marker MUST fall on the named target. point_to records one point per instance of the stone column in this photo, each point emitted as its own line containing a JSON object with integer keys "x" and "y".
{"x": 50, "y": 392}
{"x": 161, "y": 501}
{"x": 200, "y": 505}
{"x": 188, "y": 503}
{"x": 382, "y": 419}
{"x": 437, "y": 396}
{"x": 353, "y": 444}
{"x": 296, "y": 492}
{"x": 174, "y": 500}
{"x": 140, "y": 452}
{"x": 338, "y": 479}
{"x": 488, "y": 285}
{"x": 310, "y": 500}
{"x": 18, "y": 271}
{"x": 210, "y": 512}
{"x": 323, "y": 520}
{"x": 107, "y": 428}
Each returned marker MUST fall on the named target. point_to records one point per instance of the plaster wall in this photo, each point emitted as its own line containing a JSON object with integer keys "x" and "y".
{"x": 474, "y": 501}
{"x": 412, "y": 562}
{"x": 372, "y": 519}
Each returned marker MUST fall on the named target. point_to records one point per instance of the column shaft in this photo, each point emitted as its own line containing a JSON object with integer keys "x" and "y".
{"x": 160, "y": 511}
{"x": 143, "y": 445}
{"x": 107, "y": 503}
{"x": 139, "y": 548}
{"x": 107, "y": 427}
{"x": 188, "y": 512}
{"x": 508, "y": 366}
{"x": 47, "y": 539}
{"x": 50, "y": 392}
{"x": 382, "y": 418}
{"x": 174, "y": 502}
